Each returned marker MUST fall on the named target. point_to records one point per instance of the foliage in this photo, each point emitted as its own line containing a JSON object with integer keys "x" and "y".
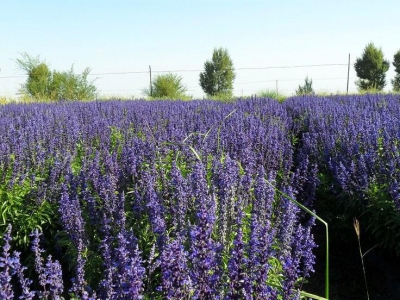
{"x": 42, "y": 84}
{"x": 396, "y": 64}
{"x": 218, "y": 76}
{"x": 71, "y": 86}
{"x": 167, "y": 86}
{"x": 306, "y": 89}
{"x": 371, "y": 69}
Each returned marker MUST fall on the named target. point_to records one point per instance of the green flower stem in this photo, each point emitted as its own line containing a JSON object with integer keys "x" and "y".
{"x": 326, "y": 230}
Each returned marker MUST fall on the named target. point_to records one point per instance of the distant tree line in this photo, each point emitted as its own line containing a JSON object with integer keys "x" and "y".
{"x": 216, "y": 80}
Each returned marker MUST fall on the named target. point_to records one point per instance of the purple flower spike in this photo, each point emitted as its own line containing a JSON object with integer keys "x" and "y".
{"x": 7, "y": 264}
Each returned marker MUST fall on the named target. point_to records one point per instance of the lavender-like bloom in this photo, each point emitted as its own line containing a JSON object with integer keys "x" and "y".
{"x": 301, "y": 259}
{"x": 50, "y": 274}
{"x": 74, "y": 225}
{"x": 180, "y": 193}
{"x": 53, "y": 274}
{"x": 263, "y": 195}
{"x": 225, "y": 180}
{"x": 155, "y": 209}
{"x": 135, "y": 288}
{"x": 260, "y": 251}
{"x": 253, "y": 252}
{"x": 107, "y": 285}
{"x": 24, "y": 282}
{"x": 291, "y": 264}
{"x": 307, "y": 245}
{"x": 79, "y": 279}
{"x": 394, "y": 191}
{"x": 7, "y": 264}
{"x": 203, "y": 249}
{"x": 176, "y": 281}
{"x": 131, "y": 273}
{"x": 288, "y": 222}
{"x": 38, "y": 257}
{"x": 237, "y": 272}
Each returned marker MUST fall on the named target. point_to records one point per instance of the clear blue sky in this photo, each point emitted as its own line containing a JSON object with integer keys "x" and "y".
{"x": 125, "y": 36}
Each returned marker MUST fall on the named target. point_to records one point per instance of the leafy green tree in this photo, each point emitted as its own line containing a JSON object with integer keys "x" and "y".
{"x": 371, "y": 69}
{"x": 396, "y": 64}
{"x": 39, "y": 76}
{"x": 42, "y": 84}
{"x": 306, "y": 89}
{"x": 167, "y": 86}
{"x": 219, "y": 74}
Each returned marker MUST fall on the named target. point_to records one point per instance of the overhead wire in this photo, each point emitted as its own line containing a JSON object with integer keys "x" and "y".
{"x": 196, "y": 70}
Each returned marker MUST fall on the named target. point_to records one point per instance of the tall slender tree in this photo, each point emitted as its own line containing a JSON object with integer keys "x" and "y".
{"x": 219, "y": 74}
{"x": 371, "y": 69}
{"x": 396, "y": 64}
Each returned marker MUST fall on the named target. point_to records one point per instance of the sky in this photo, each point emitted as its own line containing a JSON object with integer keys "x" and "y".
{"x": 126, "y": 37}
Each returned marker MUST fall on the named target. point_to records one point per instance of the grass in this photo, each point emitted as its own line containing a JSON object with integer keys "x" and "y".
{"x": 272, "y": 95}
{"x": 7, "y": 100}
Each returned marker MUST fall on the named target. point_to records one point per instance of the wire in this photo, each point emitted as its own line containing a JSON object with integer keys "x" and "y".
{"x": 179, "y": 71}
{"x": 14, "y": 76}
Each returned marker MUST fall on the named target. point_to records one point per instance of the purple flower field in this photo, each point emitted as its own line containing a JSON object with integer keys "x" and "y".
{"x": 179, "y": 200}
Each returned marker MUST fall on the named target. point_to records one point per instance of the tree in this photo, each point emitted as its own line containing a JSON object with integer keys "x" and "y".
{"x": 396, "y": 64}
{"x": 42, "y": 84}
{"x": 371, "y": 69}
{"x": 219, "y": 74}
{"x": 306, "y": 89}
{"x": 39, "y": 76}
{"x": 167, "y": 86}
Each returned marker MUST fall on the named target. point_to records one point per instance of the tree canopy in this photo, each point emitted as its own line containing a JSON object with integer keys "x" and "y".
{"x": 371, "y": 68}
{"x": 396, "y": 64}
{"x": 219, "y": 74}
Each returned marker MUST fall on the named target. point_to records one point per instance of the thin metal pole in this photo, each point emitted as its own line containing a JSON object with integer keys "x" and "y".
{"x": 348, "y": 74}
{"x": 151, "y": 86}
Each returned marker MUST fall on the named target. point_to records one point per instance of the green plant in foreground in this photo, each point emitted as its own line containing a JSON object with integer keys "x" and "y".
{"x": 327, "y": 243}
{"x": 357, "y": 229}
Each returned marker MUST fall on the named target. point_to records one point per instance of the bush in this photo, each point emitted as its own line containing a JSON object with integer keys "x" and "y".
{"x": 167, "y": 86}
{"x": 42, "y": 84}
{"x": 306, "y": 89}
